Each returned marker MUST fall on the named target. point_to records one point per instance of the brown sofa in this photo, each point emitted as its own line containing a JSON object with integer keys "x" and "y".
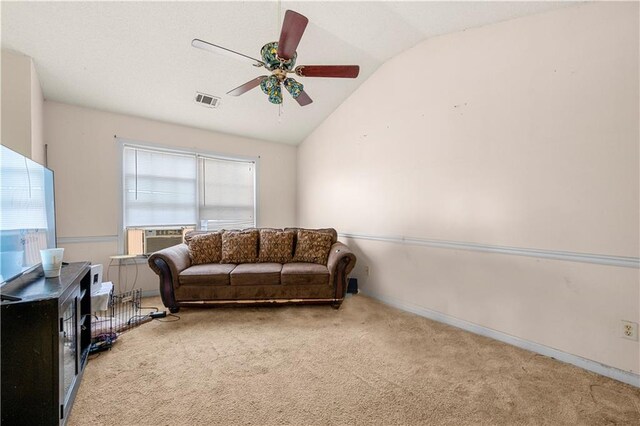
{"x": 185, "y": 284}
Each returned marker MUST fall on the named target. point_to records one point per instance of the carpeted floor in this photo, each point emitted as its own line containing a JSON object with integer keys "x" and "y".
{"x": 364, "y": 364}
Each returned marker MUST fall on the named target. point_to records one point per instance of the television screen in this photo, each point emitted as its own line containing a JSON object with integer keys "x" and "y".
{"x": 27, "y": 213}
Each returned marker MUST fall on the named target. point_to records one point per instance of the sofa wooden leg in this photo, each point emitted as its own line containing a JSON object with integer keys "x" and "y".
{"x": 174, "y": 310}
{"x": 336, "y": 305}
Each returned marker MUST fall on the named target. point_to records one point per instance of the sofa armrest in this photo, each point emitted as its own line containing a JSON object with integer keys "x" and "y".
{"x": 168, "y": 263}
{"x": 176, "y": 257}
{"x": 340, "y": 263}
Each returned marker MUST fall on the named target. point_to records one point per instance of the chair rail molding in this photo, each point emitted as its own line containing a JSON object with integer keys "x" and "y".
{"x": 600, "y": 259}
{"x": 89, "y": 239}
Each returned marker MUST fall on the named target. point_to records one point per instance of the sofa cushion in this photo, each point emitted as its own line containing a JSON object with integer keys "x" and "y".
{"x": 330, "y": 231}
{"x": 275, "y": 246}
{"x": 312, "y": 247}
{"x": 205, "y": 248}
{"x": 256, "y": 274}
{"x": 207, "y": 274}
{"x": 304, "y": 273}
{"x": 188, "y": 235}
{"x": 240, "y": 246}
{"x": 192, "y": 233}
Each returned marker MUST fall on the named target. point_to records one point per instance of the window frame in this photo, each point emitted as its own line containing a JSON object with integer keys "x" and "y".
{"x": 129, "y": 143}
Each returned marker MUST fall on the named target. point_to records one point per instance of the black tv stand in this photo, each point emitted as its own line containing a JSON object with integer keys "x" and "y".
{"x": 45, "y": 339}
{"x": 9, "y": 298}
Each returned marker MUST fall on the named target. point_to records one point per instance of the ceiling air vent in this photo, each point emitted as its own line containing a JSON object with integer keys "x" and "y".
{"x": 207, "y": 100}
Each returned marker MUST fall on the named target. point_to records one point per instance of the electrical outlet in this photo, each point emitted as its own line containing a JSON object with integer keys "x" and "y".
{"x": 367, "y": 271}
{"x": 629, "y": 330}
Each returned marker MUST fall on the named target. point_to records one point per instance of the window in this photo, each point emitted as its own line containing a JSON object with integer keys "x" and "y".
{"x": 159, "y": 188}
{"x": 227, "y": 193}
{"x": 175, "y": 188}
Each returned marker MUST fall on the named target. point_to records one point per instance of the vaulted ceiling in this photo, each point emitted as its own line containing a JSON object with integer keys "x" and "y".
{"x": 136, "y": 57}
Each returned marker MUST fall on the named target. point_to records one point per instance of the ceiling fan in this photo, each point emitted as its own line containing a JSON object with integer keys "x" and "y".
{"x": 279, "y": 57}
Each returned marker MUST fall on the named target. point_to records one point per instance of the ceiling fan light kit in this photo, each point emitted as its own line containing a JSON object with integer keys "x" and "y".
{"x": 279, "y": 57}
{"x": 293, "y": 87}
{"x": 271, "y": 86}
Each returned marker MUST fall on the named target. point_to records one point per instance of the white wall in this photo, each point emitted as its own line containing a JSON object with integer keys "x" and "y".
{"x": 22, "y": 104}
{"x": 36, "y": 117}
{"x": 16, "y": 102}
{"x": 521, "y": 134}
{"x": 84, "y": 155}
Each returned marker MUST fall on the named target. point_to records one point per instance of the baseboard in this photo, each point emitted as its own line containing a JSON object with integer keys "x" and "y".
{"x": 587, "y": 364}
{"x": 150, "y": 293}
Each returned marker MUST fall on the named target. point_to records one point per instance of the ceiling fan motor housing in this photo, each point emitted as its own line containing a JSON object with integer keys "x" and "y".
{"x": 269, "y": 53}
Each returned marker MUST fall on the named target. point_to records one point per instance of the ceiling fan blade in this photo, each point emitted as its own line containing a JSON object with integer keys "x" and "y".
{"x": 303, "y": 99}
{"x": 292, "y": 29}
{"x": 335, "y": 71}
{"x": 201, "y": 44}
{"x": 247, "y": 86}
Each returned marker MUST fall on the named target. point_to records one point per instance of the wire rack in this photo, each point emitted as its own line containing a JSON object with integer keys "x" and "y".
{"x": 122, "y": 314}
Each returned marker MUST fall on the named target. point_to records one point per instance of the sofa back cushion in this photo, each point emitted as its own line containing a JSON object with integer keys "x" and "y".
{"x": 205, "y": 248}
{"x": 276, "y": 246}
{"x": 313, "y": 246}
{"x": 188, "y": 236}
{"x": 192, "y": 233}
{"x": 240, "y": 246}
{"x": 330, "y": 231}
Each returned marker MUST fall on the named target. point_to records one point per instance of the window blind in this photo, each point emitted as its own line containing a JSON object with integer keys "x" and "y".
{"x": 227, "y": 193}
{"x": 159, "y": 188}
{"x": 165, "y": 188}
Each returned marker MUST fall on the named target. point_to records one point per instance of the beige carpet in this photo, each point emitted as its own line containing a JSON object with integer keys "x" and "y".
{"x": 364, "y": 364}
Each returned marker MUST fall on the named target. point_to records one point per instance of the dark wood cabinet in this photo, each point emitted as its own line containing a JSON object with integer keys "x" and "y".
{"x": 45, "y": 345}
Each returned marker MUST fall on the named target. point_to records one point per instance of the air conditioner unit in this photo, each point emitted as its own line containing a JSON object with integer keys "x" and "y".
{"x": 149, "y": 240}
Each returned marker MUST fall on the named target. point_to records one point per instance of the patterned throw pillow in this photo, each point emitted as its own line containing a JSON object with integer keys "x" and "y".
{"x": 205, "y": 248}
{"x": 312, "y": 247}
{"x": 240, "y": 246}
{"x": 276, "y": 246}
{"x": 190, "y": 234}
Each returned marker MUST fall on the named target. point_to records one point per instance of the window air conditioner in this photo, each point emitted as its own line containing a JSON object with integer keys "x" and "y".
{"x": 149, "y": 240}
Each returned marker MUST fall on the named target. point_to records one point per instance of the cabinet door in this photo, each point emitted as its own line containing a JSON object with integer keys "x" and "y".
{"x": 68, "y": 346}
{"x": 29, "y": 363}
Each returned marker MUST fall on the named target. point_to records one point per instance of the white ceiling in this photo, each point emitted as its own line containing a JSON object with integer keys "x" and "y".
{"x": 135, "y": 57}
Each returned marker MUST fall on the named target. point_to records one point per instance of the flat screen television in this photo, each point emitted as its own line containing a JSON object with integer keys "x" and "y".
{"x": 27, "y": 214}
